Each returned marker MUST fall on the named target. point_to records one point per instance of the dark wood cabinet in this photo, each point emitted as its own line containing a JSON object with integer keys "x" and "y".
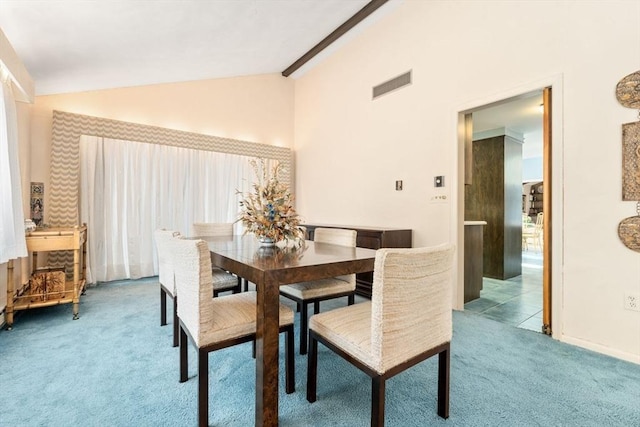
{"x": 496, "y": 197}
{"x": 473, "y": 232}
{"x": 372, "y": 238}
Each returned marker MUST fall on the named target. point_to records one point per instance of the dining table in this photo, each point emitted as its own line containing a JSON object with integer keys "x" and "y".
{"x": 268, "y": 268}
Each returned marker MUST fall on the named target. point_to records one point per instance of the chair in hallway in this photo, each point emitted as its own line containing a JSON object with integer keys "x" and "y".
{"x": 166, "y": 278}
{"x": 222, "y": 280}
{"x": 319, "y": 290}
{"x": 408, "y": 320}
{"x": 534, "y": 233}
{"x": 215, "y": 323}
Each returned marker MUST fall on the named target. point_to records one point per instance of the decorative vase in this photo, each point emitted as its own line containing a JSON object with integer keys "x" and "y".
{"x": 29, "y": 225}
{"x": 266, "y": 242}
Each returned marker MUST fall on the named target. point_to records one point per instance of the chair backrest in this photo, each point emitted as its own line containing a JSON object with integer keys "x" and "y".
{"x": 165, "y": 264}
{"x": 194, "y": 284}
{"x": 539, "y": 222}
{"x": 338, "y": 236}
{"x": 211, "y": 229}
{"x": 411, "y": 303}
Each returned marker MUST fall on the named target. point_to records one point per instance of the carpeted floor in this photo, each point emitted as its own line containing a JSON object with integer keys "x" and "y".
{"x": 115, "y": 367}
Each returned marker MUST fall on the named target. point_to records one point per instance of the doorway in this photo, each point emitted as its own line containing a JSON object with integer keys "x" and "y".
{"x": 521, "y": 297}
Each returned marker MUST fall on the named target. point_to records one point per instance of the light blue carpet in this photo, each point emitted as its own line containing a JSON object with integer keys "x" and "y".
{"x": 115, "y": 367}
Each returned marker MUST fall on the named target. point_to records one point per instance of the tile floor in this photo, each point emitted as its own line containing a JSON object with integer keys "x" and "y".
{"x": 517, "y": 301}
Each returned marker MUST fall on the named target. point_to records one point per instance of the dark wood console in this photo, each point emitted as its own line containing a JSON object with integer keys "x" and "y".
{"x": 372, "y": 238}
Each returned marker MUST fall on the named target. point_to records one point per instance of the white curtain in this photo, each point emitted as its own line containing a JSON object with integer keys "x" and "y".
{"x": 129, "y": 189}
{"x": 12, "y": 240}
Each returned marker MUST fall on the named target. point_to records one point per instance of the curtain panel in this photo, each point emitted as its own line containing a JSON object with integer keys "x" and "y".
{"x": 128, "y": 189}
{"x": 12, "y": 239}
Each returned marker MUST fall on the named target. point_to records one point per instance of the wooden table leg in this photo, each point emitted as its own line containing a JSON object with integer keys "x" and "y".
{"x": 267, "y": 364}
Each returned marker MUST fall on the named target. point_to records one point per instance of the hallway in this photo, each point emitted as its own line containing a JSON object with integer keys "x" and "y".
{"x": 517, "y": 301}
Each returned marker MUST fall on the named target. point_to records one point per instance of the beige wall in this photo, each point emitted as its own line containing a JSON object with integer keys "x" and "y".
{"x": 463, "y": 53}
{"x": 254, "y": 108}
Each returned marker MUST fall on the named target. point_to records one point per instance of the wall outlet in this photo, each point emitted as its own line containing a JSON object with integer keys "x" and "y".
{"x": 632, "y": 301}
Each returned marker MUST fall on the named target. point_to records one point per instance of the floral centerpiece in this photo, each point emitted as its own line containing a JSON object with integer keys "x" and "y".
{"x": 268, "y": 211}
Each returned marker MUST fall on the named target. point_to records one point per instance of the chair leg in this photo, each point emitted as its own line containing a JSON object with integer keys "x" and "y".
{"x": 312, "y": 369}
{"x": 238, "y": 288}
{"x": 443, "y": 383}
{"x": 377, "y": 401}
{"x": 163, "y": 307}
{"x": 175, "y": 321}
{"x": 304, "y": 328}
{"x": 289, "y": 360}
{"x": 351, "y": 299}
{"x": 184, "y": 360}
{"x": 203, "y": 388}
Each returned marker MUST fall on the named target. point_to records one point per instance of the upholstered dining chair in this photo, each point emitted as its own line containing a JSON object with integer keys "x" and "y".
{"x": 166, "y": 277}
{"x": 305, "y": 293}
{"x": 216, "y": 323}
{"x": 407, "y": 321}
{"x": 222, "y": 280}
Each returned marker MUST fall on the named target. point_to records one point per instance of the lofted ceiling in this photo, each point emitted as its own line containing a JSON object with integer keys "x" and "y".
{"x": 79, "y": 45}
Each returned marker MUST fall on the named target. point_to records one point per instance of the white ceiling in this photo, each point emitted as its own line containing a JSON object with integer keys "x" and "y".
{"x": 79, "y": 45}
{"x": 523, "y": 115}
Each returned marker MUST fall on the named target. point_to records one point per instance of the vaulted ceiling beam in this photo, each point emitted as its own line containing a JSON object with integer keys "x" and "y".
{"x": 363, "y": 13}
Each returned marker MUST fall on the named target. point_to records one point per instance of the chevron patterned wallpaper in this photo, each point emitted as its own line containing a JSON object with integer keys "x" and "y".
{"x": 65, "y": 158}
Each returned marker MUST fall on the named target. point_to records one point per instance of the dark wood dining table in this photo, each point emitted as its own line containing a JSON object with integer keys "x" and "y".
{"x": 268, "y": 269}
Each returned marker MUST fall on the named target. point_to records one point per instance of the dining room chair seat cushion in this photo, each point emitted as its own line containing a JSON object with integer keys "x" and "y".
{"x": 318, "y": 288}
{"x": 222, "y": 280}
{"x": 235, "y": 316}
{"x": 349, "y": 327}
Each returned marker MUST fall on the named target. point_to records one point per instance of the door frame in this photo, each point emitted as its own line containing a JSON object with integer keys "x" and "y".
{"x": 457, "y": 212}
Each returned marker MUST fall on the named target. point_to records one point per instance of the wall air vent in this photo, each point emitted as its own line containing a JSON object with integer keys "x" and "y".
{"x": 391, "y": 85}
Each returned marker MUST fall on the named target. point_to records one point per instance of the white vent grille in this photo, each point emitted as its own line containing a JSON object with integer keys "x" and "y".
{"x": 391, "y": 85}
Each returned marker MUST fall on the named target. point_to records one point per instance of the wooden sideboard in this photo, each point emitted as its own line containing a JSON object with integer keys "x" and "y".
{"x": 372, "y": 238}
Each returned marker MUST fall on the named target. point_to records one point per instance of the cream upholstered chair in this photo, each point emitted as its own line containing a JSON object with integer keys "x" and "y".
{"x": 166, "y": 278}
{"x": 534, "y": 233}
{"x": 407, "y": 321}
{"x": 222, "y": 280}
{"x": 318, "y": 290}
{"x": 216, "y": 323}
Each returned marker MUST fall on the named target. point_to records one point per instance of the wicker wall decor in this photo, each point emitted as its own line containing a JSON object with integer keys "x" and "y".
{"x": 628, "y": 91}
{"x": 631, "y": 161}
{"x": 628, "y": 95}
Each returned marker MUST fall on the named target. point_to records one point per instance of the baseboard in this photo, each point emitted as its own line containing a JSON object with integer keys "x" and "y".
{"x": 629, "y": 357}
